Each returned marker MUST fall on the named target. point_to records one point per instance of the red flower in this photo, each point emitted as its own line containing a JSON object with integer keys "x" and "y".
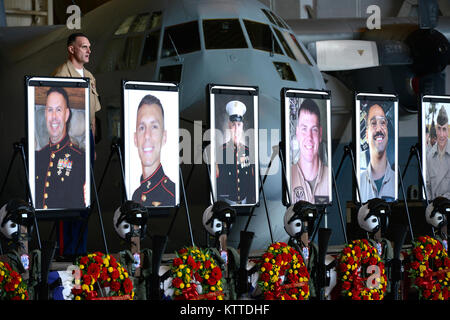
{"x": 127, "y": 285}
{"x": 181, "y": 251}
{"x": 84, "y": 260}
{"x": 207, "y": 264}
{"x": 212, "y": 281}
{"x": 87, "y": 279}
{"x": 415, "y": 265}
{"x": 115, "y": 274}
{"x": 115, "y": 286}
{"x": 176, "y": 282}
{"x": 177, "y": 262}
{"x": 346, "y": 285}
{"x": 375, "y": 296}
{"x": 94, "y": 270}
{"x": 267, "y": 266}
{"x": 343, "y": 267}
{"x": 216, "y": 273}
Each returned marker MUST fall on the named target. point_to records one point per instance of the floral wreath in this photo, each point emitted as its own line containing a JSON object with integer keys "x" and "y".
{"x": 196, "y": 276}
{"x": 428, "y": 267}
{"x": 101, "y": 277}
{"x": 283, "y": 274}
{"x": 11, "y": 285}
{"x": 354, "y": 271}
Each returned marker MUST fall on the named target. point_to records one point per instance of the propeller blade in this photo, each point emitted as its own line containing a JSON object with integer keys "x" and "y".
{"x": 336, "y": 55}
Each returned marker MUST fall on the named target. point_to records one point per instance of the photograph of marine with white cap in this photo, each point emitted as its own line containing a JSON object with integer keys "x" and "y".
{"x": 437, "y": 155}
{"x": 235, "y": 153}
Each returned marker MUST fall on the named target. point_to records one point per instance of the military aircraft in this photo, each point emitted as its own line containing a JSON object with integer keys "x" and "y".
{"x": 194, "y": 43}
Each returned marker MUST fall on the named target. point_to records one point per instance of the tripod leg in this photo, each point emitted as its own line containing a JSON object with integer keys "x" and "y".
{"x": 341, "y": 218}
{"x": 102, "y": 229}
{"x": 407, "y": 210}
{"x": 105, "y": 170}
{"x": 267, "y": 212}
{"x": 178, "y": 208}
{"x": 260, "y": 189}
{"x": 8, "y": 172}
{"x": 188, "y": 218}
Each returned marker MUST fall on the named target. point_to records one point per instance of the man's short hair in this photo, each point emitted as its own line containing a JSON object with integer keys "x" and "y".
{"x": 370, "y": 104}
{"x": 149, "y": 99}
{"x": 71, "y": 39}
{"x": 62, "y": 92}
{"x": 442, "y": 118}
{"x": 310, "y": 106}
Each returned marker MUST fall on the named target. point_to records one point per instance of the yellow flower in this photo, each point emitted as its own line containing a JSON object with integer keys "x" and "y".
{"x": 181, "y": 285}
{"x": 77, "y": 298}
{"x": 263, "y": 269}
{"x": 213, "y": 288}
{"x": 85, "y": 287}
{"x": 106, "y": 262}
{"x": 220, "y": 297}
{"x": 206, "y": 276}
{"x": 81, "y": 267}
{"x": 110, "y": 269}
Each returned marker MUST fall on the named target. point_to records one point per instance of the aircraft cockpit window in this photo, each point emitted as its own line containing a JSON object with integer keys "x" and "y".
{"x": 280, "y": 22}
{"x": 131, "y": 53}
{"x": 156, "y": 20}
{"x": 285, "y": 45}
{"x": 298, "y": 50}
{"x": 262, "y": 37}
{"x": 285, "y": 71}
{"x": 140, "y": 23}
{"x": 275, "y": 19}
{"x": 125, "y": 26}
{"x": 223, "y": 34}
{"x": 150, "y": 52}
{"x": 170, "y": 73}
{"x": 180, "y": 39}
{"x": 269, "y": 16}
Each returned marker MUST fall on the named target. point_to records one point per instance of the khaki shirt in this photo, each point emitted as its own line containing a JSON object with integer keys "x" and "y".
{"x": 301, "y": 189}
{"x": 368, "y": 188}
{"x": 438, "y": 173}
{"x": 67, "y": 69}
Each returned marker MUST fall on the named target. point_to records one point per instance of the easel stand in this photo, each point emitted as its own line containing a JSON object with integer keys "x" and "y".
{"x": 19, "y": 147}
{"x": 261, "y": 190}
{"x": 115, "y": 149}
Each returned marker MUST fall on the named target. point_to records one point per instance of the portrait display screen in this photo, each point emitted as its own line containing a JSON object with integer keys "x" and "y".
{"x": 307, "y": 145}
{"x": 435, "y": 145}
{"x": 234, "y": 144}
{"x": 151, "y": 150}
{"x": 58, "y": 142}
{"x": 376, "y": 146}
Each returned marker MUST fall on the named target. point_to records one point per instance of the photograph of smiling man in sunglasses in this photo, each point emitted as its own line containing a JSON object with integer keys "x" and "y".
{"x": 377, "y": 180}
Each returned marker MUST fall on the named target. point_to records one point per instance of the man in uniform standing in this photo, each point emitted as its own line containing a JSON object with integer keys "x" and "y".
{"x": 60, "y": 165}
{"x": 438, "y": 160}
{"x": 309, "y": 176}
{"x": 378, "y": 181}
{"x": 235, "y": 174}
{"x": 79, "y": 51}
{"x": 156, "y": 189}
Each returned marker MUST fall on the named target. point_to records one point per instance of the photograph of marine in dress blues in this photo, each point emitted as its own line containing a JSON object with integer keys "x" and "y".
{"x": 376, "y": 152}
{"x": 308, "y": 149}
{"x": 235, "y": 169}
{"x": 59, "y": 164}
{"x": 151, "y": 146}
{"x": 436, "y": 146}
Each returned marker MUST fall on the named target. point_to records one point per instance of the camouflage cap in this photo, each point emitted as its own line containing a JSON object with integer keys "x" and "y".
{"x": 442, "y": 118}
